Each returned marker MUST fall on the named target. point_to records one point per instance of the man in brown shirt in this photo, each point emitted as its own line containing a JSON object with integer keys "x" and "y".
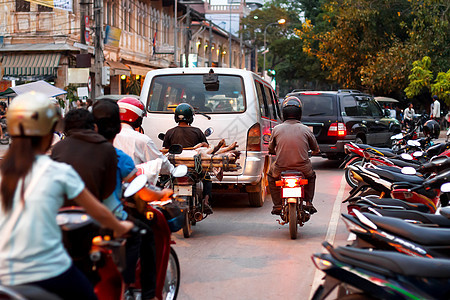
{"x": 290, "y": 142}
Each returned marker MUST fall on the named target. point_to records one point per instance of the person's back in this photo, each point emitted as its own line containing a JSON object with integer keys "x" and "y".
{"x": 137, "y": 145}
{"x": 88, "y": 152}
{"x": 290, "y": 142}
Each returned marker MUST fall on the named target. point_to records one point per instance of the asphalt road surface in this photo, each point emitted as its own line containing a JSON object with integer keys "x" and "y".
{"x": 241, "y": 252}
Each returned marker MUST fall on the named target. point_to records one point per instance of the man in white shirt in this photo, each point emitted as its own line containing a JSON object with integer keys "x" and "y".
{"x": 408, "y": 115}
{"x": 436, "y": 112}
{"x": 137, "y": 145}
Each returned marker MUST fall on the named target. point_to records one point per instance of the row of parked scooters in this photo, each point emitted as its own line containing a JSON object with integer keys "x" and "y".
{"x": 399, "y": 241}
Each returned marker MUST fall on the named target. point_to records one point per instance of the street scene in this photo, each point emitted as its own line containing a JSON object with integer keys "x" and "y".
{"x": 224, "y": 149}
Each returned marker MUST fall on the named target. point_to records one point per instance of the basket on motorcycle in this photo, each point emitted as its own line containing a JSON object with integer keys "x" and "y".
{"x": 173, "y": 214}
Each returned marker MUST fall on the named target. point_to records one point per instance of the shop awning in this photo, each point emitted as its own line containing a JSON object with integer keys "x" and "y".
{"x": 118, "y": 68}
{"x": 139, "y": 70}
{"x": 30, "y": 66}
{"x": 39, "y": 86}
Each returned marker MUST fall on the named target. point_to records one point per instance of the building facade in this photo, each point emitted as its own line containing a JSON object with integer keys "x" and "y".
{"x": 56, "y": 44}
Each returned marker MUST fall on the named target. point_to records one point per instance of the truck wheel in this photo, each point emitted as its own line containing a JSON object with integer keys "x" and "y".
{"x": 256, "y": 199}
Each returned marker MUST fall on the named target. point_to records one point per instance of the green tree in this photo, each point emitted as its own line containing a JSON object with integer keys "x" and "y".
{"x": 421, "y": 78}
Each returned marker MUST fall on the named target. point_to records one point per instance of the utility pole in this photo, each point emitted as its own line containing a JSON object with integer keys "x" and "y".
{"x": 98, "y": 45}
{"x": 82, "y": 22}
{"x": 188, "y": 35}
{"x": 210, "y": 43}
{"x": 175, "y": 34}
{"x": 229, "y": 37}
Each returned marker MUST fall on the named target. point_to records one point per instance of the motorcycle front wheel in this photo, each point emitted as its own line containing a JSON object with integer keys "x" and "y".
{"x": 172, "y": 282}
{"x": 293, "y": 220}
{"x": 352, "y": 182}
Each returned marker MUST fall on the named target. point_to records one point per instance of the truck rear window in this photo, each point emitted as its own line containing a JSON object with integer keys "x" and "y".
{"x": 318, "y": 105}
{"x": 167, "y": 91}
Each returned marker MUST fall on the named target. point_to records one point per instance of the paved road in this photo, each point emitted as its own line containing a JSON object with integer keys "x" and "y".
{"x": 243, "y": 253}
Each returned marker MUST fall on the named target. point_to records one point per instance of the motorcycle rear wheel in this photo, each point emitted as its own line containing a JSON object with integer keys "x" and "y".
{"x": 352, "y": 182}
{"x": 293, "y": 220}
{"x": 187, "y": 224}
{"x": 172, "y": 281}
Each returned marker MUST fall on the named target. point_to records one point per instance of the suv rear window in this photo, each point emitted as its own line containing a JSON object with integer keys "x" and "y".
{"x": 167, "y": 91}
{"x": 318, "y": 105}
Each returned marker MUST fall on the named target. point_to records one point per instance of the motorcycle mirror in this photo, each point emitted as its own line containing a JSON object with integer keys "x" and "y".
{"x": 445, "y": 188}
{"x": 409, "y": 171}
{"x": 413, "y": 143}
{"x": 417, "y": 153}
{"x": 397, "y": 136}
{"x": 135, "y": 186}
{"x": 406, "y": 156}
{"x": 208, "y": 131}
{"x": 161, "y": 136}
{"x": 175, "y": 149}
{"x": 179, "y": 171}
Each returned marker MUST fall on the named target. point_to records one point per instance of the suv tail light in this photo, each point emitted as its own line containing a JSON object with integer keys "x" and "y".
{"x": 254, "y": 138}
{"x": 337, "y": 129}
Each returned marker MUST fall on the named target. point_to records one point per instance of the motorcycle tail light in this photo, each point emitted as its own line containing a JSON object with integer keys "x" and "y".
{"x": 186, "y": 180}
{"x": 337, "y": 129}
{"x": 321, "y": 264}
{"x": 279, "y": 183}
{"x": 291, "y": 182}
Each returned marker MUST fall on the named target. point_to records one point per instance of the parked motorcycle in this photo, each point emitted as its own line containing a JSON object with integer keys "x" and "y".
{"x": 293, "y": 205}
{"x": 364, "y": 274}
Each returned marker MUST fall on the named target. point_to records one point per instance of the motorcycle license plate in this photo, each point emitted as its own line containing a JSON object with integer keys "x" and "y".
{"x": 291, "y": 192}
{"x": 183, "y": 190}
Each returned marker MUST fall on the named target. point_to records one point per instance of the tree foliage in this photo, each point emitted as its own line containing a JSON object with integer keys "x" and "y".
{"x": 421, "y": 78}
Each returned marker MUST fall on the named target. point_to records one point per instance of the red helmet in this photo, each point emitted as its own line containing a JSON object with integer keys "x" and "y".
{"x": 130, "y": 109}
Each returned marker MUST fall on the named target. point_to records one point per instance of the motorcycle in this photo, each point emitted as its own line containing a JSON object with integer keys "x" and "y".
{"x": 364, "y": 274}
{"x": 293, "y": 210}
{"x": 102, "y": 258}
{"x": 6, "y": 140}
{"x": 392, "y": 234}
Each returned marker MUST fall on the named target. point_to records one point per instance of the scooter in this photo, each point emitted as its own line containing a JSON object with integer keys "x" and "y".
{"x": 102, "y": 258}
{"x": 293, "y": 206}
{"x": 364, "y": 274}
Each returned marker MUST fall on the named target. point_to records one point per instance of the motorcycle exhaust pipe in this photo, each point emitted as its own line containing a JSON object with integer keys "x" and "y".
{"x": 198, "y": 216}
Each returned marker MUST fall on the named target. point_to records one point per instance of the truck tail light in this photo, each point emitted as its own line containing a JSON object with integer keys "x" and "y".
{"x": 254, "y": 138}
{"x": 337, "y": 129}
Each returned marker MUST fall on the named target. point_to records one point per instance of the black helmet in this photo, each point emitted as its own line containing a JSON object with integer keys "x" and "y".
{"x": 184, "y": 112}
{"x": 292, "y": 108}
{"x": 431, "y": 128}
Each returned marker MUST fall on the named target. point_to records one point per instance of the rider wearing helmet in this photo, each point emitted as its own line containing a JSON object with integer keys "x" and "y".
{"x": 134, "y": 143}
{"x": 33, "y": 187}
{"x": 184, "y": 134}
{"x": 290, "y": 142}
{"x": 432, "y": 129}
{"x": 188, "y": 136}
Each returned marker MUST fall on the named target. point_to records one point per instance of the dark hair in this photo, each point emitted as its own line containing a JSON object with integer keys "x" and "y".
{"x": 136, "y": 124}
{"x": 78, "y": 119}
{"x": 15, "y": 165}
{"x": 107, "y": 117}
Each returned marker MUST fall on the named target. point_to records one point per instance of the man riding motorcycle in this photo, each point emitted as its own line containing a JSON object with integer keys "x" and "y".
{"x": 291, "y": 142}
{"x": 188, "y": 136}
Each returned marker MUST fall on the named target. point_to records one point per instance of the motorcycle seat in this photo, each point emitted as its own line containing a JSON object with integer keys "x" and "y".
{"x": 425, "y": 218}
{"x": 397, "y": 177}
{"x": 291, "y": 173}
{"x": 421, "y": 235}
{"x": 386, "y": 202}
{"x": 402, "y": 163}
{"x": 397, "y": 262}
{"x": 385, "y": 151}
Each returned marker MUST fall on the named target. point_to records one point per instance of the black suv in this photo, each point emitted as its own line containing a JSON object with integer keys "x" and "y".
{"x": 338, "y": 117}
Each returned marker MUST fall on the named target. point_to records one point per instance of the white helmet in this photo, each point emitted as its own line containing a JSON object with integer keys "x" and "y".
{"x": 31, "y": 114}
